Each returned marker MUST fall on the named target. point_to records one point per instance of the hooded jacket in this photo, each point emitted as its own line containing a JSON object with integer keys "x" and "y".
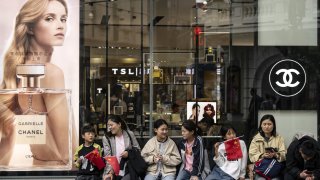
{"x": 295, "y": 164}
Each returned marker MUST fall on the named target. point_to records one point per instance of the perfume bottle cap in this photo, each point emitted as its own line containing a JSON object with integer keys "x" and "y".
{"x": 30, "y": 74}
{"x": 30, "y": 70}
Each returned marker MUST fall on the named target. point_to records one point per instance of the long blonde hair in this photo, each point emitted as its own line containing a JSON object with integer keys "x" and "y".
{"x": 28, "y": 16}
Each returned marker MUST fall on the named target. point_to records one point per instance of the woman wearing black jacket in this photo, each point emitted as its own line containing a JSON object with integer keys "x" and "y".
{"x": 192, "y": 153}
{"x": 303, "y": 159}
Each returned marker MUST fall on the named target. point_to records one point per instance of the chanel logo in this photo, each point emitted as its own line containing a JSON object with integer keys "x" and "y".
{"x": 287, "y": 77}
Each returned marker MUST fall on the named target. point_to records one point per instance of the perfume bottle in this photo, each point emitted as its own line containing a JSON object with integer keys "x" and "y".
{"x": 42, "y": 123}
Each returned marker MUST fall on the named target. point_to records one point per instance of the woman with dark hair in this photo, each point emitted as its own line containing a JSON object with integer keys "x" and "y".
{"x": 192, "y": 152}
{"x": 161, "y": 154}
{"x": 267, "y": 137}
{"x": 118, "y": 140}
{"x": 207, "y": 121}
{"x": 228, "y": 169}
{"x": 209, "y": 113}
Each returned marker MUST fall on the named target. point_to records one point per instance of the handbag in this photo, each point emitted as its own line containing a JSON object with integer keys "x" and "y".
{"x": 136, "y": 161}
{"x": 206, "y": 170}
{"x": 268, "y": 168}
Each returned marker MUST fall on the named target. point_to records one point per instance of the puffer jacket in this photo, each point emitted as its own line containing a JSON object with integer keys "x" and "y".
{"x": 259, "y": 143}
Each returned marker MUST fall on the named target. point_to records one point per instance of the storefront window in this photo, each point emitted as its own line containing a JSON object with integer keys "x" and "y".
{"x": 215, "y": 62}
{"x": 220, "y": 53}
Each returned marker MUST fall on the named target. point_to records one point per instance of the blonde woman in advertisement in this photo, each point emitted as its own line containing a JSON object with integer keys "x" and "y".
{"x": 40, "y": 25}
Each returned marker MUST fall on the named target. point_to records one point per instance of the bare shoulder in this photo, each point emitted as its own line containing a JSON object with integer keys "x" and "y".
{"x": 54, "y": 77}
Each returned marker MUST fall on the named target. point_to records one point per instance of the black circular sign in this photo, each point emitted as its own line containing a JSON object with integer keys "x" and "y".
{"x": 287, "y": 78}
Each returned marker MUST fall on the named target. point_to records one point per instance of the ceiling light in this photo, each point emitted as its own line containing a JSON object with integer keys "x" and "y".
{"x": 90, "y": 15}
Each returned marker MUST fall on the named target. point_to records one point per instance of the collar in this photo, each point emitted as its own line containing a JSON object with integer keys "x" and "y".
{"x": 195, "y": 141}
{"x": 87, "y": 146}
{"x": 162, "y": 141}
{"x": 259, "y": 137}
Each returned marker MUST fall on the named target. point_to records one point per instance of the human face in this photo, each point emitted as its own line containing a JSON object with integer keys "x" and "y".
{"x": 209, "y": 111}
{"x": 186, "y": 134}
{"x": 230, "y": 134}
{"x": 161, "y": 132}
{"x": 51, "y": 28}
{"x": 194, "y": 111}
{"x": 114, "y": 127}
{"x": 267, "y": 127}
{"x": 305, "y": 157}
{"x": 88, "y": 137}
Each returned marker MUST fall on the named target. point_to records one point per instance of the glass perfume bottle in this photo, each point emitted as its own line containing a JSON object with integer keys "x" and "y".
{"x": 37, "y": 131}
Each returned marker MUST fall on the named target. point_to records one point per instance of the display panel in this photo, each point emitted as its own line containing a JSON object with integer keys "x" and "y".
{"x": 42, "y": 33}
{"x": 191, "y": 109}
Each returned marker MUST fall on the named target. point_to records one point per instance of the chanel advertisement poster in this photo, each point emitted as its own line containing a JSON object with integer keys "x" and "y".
{"x": 39, "y": 90}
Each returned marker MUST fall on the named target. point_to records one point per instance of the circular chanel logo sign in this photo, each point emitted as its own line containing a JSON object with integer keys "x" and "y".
{"x": 287, "y": 78}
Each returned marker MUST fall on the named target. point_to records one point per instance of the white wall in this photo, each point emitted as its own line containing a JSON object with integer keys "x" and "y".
{"x": 289, "y": 122}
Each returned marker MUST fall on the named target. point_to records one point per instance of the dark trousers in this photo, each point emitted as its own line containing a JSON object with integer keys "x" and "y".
{"x": 88, "y": 177}
{"x": 289, "y": 177}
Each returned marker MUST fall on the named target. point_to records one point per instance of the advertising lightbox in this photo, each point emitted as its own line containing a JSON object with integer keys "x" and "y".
{"x": 39, "y": 89}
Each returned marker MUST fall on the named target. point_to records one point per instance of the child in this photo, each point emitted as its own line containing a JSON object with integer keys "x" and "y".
{"x": 161, "y": 154}
{"x": 86, "y": 169}
{"x": 192, "y": 152}
{"x": 228, "y": 169}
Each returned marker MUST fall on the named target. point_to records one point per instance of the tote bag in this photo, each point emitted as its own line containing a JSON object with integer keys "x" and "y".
{"x": 268, "y": 168}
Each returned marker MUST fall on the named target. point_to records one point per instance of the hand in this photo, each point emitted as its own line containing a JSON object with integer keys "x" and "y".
{"x": 79, "y": 160}
{"x": 194, "y": 178}
{"x": 241, "y": 178}
{"x": 157, "y": 158}
{"x": 160, "y": 157}
{"x": 310, "y": 178}
{"x": 108, "y": 177}
{"x": 268, "y": 155}
{"x": 304, "y": 175}
{"x": 124, "y": 154}
{"x": 216, "y": 145}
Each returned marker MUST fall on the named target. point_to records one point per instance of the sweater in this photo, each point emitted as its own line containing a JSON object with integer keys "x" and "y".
{"x": 236, "y": 168}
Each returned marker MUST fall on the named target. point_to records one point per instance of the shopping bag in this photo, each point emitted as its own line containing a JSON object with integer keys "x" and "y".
{"x": 268, "y": 168}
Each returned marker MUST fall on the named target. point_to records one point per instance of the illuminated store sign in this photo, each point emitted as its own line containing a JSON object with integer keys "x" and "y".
{"x": 126, "y": 71}
{"x": 287, "y": 78}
